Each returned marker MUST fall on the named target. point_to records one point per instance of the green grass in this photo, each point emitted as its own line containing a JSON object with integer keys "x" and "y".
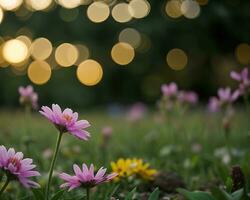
{"x": 166, "y": 145}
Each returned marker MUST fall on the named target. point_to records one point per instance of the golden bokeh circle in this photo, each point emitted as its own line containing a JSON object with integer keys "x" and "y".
{"x": 10, "y": 4}
{"x": 121, "y": 13}
{"x": 15, "y": 51}
{"x": 242, "y": 53}
{"x": 39, "y": 4}
{"x": 122, "y": 53}
{"x": 1, "y": 15}
{"x": 89, "y": 72}
{"x": 39, "y": 72}
{"x": 139, "y": 8}
{"x": 98, "y": 12}
{"x": 130, "y": 36}
{"x": 25, "y": 39}
{"x": 177, "y": 59}
{"x": 66, "y": 55}
{"x": 69, "y": 4}
{"x": 173, "y": 8}
{"x": 41, "y": 49}
{"x": 190, "y": 9}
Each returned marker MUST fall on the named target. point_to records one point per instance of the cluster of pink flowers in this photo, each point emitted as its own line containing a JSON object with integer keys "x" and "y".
{"x": 243, "y": 79}
{"x": 225, "y": 98}
{"x": 172, "y": 96}
{"x": 28, "y": 97}
{"x": 17, "y": 168}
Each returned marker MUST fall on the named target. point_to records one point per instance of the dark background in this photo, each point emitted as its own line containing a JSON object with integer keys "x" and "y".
{"x": 209, "y": 41}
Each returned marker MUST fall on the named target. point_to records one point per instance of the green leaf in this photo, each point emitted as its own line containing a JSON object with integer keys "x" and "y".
{"x": 130, "y": 195}
{"x": 154, "y": 195}
{"x": 38, "y": 194}
{"x": 220, "y": 194}
{"x": 197, "y": 195}
{"x": 58, "y": 195}
{"x": 237, "y": 195}
{"x": 113, "y": 191}
{"x": 229, "y": 184}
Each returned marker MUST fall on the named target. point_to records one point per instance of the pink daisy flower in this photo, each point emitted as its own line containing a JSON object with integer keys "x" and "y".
{"x": 136, "y": 112}
{"x": 227, "y": 96}
{"x": 28, "y": 96}
{"x": 85, "y": 177}
{"x": 242, "y": 78}
{"x": 18, "y": 168}
{"x": 214, "y": 104}
{"x": 66, "y": 121}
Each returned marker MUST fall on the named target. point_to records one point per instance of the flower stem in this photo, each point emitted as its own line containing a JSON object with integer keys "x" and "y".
{"x": 4, "y": 186}
{"x": 53, "y": 163}
{"x": 87, "y": 194}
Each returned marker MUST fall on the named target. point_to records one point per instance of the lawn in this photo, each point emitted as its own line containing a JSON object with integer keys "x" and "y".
{"x": 188, "y": 150}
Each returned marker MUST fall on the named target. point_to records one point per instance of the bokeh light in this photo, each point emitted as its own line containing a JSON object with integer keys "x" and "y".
{"x": 10, "y": 4}
{"x": 190, "y": 9}
{"x": 25, "y": 39}
{"x": 121, "y": 13}
{"x": 139, "y": 8}
{"x": 130, "y": 36}
{"x": 173, "y": 8}
{"x": 98, "y": 12}
{"x": 89, "y": 72}
{"x": 122, "y": 53}
{"x": 39, "y": 4}
{"x": 177, "y": 59}
{"x": 15, "y": 51}
{"x": 242, "y": 53}
{"x": 1, "y": 15}
{"x": 39, "y": 72}
{"x": 66, "y": 55}
{"x": 84, "y": 53}
{"x": 69, "y": 3}
{"x": 41, "y": 49}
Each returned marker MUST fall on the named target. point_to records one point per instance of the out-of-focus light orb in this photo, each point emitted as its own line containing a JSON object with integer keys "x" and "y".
{"x": 84, "y": 53}
{"x": 173, "y": 8}
{"x": 122, "y": 53}
{"x": 89, "y": 72}
{"x": 98, "y": 12}
{"x": 39, "y": 72}
{"x": 1, "y": 15}
{"x": 41, "y": 49}
{"x": 130, "y": 36}
{"x": 39, "y": 4}
{"x": 66, "y": 55}
{"x": 68, "y": 15}
{"x": 139, "y": 8}
{"x": 70, "y": 3}
{"x": 242, "y": 53}
{"x": 177, "y": 59}
{"x": 15, "y": 51}
{"x": 121, "y": 13}
{"x": 190, "y": 9}
{"x": 25, "y": 39}
{"x": 10, "y": 4}
{"x": 202, "y": 2}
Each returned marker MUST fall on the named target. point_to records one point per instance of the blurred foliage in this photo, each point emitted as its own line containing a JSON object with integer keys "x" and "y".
{"x": 209, "y": 41}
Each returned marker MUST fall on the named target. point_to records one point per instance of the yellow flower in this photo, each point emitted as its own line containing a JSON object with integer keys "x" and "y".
{"x": 130, "y": 167}
{"x": 122, "y": 168}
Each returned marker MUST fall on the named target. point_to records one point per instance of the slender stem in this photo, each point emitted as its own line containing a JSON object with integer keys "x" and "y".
{"x": 4, "y": 186}
{"x": 53, "y": 164}
{"x": 87, "y": 194}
